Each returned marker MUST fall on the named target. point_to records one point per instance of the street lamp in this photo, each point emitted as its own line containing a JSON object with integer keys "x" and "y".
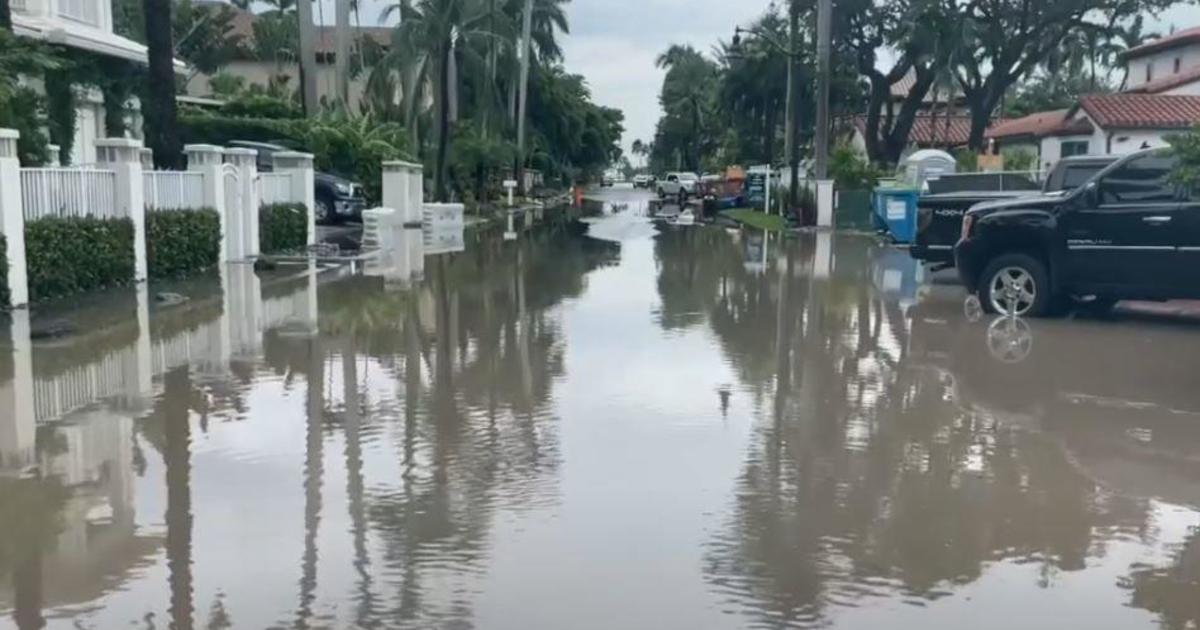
{"x": 792, "y": 50}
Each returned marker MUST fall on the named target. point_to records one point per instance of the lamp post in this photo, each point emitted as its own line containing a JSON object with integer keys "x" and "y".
{"x": 792, "y": 50}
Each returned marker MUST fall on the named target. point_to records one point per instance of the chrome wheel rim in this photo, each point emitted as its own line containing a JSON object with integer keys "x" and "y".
{"x": 323, "y": 211}
{"x": 1012, "y": 291}
{"x": 1009, "y": 339}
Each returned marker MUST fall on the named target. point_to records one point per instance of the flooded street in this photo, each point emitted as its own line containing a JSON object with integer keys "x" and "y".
{"x": 611, "y": 423}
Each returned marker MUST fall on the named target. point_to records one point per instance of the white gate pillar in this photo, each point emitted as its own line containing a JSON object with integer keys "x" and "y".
{"x": 206, "y": 159}
{"x": 123, "y": 156}
{"x": 246, "y": 162}
{"x": 300, "y": 166}
{"x": 12, "y": 218}
{"x": 403, "y": 190}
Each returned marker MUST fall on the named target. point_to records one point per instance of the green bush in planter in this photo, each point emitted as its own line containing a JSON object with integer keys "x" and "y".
{"x": 282, "y": 227}
{"x": 77, "y": 254}
{"x": 4, "y": 303}
{"x": 180, "y": 243}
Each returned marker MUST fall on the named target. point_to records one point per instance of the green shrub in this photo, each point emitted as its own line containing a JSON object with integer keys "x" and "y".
{"x": 4, "y": 295}
{"x": 77, "y": 254}
{"x": 204, "y": 128}
{"x": 282, "y": 227}
{"x": 851, "y": 171}
{"x": 180, "y": 243}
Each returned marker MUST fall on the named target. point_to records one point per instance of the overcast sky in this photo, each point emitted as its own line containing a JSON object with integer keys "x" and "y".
{"x": 613, "y": 43}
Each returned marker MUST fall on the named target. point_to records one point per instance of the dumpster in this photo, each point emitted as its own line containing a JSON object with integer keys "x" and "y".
{"x": 896, "y": 211}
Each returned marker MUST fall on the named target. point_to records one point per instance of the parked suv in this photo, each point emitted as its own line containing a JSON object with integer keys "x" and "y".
{"x": 678, "y": 186}
{"x": 337, "y": 198}
{"x": 1128, "y": 233}
{"x": 940, "y": 216}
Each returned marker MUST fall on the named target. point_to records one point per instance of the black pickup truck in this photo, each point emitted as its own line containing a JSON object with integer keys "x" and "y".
{"x": 940, "y": 215}
{"x": 1128, "y": 233}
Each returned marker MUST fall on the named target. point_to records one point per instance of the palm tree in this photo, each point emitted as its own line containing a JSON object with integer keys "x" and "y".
{"x": 160, "y": 110}
{"x": 426, "y": 44}
{"x": 685, "y": 93}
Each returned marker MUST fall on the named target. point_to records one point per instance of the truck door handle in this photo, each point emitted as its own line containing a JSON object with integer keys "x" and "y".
{"x": 1157, "y": 220}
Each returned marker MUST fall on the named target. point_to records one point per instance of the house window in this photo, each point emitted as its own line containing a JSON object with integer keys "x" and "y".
{"x": 86, "y": 11}
{"x": 1075, "y": 147}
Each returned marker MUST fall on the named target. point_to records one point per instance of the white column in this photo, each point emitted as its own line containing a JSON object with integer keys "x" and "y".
{"x": 124, "y": 157}
{"x": 300, "y": 166}
{"x": 246, "y": 162}
{"x": 207, "y": 159}
{"x": 12, "y": 218}
{"x": 18, "y": 427}
{"x": 53, "y": 152}
{"x": 403, "y": 184}
{"x": 144, "y": 379}
{"x": 147, "y": 156}
{"x": 825, "y": 203}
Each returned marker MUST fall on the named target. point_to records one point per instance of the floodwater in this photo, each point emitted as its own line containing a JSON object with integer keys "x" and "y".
{"x": 607, "y": 424}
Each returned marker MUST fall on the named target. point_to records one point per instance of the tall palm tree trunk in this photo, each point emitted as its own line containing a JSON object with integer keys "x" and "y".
{"x": 159, "y": 109}
{"x": 443, "y": 123}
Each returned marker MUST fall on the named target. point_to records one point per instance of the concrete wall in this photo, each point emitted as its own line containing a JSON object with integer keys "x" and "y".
{"x": 260, "y": 73}
{"x": 1163, "y": 63}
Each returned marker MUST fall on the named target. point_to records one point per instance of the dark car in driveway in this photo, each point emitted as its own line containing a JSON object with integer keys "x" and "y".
{"x": 1128, "y": 233}
{"x": 939, "y": 216}
{"x": 337, "y": 198}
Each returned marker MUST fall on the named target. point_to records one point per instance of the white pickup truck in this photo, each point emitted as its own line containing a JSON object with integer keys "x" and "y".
{"x": 678, "y": 186}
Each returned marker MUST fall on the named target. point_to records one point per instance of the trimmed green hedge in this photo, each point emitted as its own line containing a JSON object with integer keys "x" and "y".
{"x": 180, "y": 243}
{"x": 282, "y": 227}
{"x": 4, "y": 296}
{"x": 77, "y": 254}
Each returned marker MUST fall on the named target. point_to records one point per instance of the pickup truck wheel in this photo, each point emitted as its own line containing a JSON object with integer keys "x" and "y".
{"x": 324, "y": 211}
{"x": 682, "y": 199}
{"x": 1016, "y": 284}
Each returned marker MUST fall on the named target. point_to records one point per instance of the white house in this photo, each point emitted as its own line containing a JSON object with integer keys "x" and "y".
{"x": 1170, "y": 65}
{"x": 1162, "y": 96}
{"x": 86, "y": 25}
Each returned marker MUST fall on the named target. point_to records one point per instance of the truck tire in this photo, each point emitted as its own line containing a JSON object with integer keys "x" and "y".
{"x": 1017, "y": 281}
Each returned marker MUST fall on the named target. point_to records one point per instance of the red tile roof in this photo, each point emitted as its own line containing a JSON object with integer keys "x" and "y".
{"x": 932, "y": 131}
{"x": 1178, "y": 38}
{"x": 1142, "y": 111}
{"x": 1188, "y": 75}
{"x": 1039, "y": 125}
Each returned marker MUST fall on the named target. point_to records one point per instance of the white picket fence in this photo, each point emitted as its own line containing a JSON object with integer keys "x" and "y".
{"x": 275, "y": 188}
{"x": 173, "y": 190}
{"x": 68, "y": 192}
{"x": 81, "y": 386}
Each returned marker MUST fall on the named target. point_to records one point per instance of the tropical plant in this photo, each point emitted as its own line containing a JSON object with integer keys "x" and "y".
{"x": 356, "y": 146}
{"x": 430, "y": 40}
{"x": 850, "y": 171}
{"x": 1187, "y": 147}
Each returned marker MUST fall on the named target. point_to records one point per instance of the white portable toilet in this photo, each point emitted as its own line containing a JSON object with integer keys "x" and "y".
{"x": 927, "y": 164}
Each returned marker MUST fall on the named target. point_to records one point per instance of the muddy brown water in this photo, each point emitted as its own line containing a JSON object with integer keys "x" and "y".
{"x": 616, "y": 424}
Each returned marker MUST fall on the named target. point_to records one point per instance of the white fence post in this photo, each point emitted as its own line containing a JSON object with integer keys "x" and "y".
{"x": 300, "y": 165}
{"x": 147, "y": 156}
{"x": 123, "y": 156}
{"x": 246, "y": 161}
{"x": 403, "y": 190}
{"x": 12, "y": 218}
{"x": 207, "y": 160}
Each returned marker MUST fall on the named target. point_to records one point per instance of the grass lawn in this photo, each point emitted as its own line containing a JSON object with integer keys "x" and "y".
{"x": 756, "y": 219}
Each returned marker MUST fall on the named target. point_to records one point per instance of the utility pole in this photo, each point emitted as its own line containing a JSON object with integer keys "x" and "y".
{"x": 342, "y": 54}
{"x": 793, "y": 109}
{"x": 824, "y": 35}
{"x": 308, "y": 59}
{"x": 526, "y": 48}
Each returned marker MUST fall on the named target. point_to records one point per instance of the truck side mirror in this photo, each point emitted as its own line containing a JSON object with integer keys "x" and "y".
{"x": 1091, "y": 193}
